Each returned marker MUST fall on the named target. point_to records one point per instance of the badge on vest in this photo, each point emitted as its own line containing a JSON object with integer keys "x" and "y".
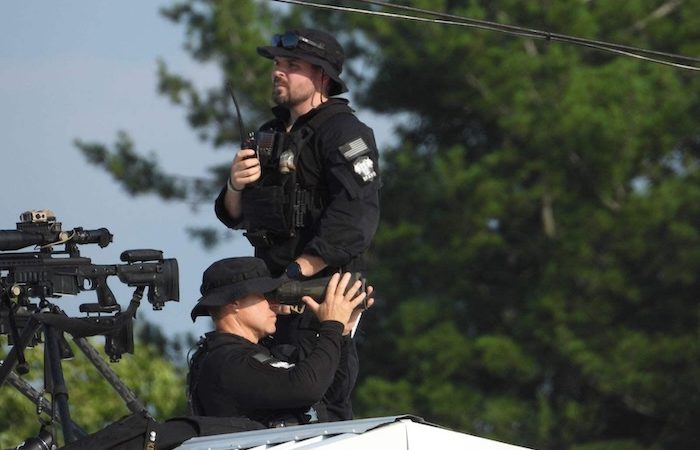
{"x": 363, "y": 166}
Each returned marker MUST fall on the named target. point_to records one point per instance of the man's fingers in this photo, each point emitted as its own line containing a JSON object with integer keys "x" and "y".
{"x": 332, "y": 286}
{"x": 366, "y": 301}
{"x": 282, "y": 310}
{"x": 358, "y": 299}
{"x": 244, "y": 177}
{"x": 353, "y": 289}
{"x": 343, "y": 283}
{"x": 245, "y": 153}
{"x": 245, "y": 168}
{"x": 311, "y": 303}
{"x": 247, "y": 163}
{"x": 342, "y": 299}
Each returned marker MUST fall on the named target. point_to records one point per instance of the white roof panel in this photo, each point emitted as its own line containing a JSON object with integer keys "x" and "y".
{"x": 386, "y": 433}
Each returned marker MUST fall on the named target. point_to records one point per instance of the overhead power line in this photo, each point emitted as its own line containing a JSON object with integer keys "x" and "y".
{"x": 669, "y": 59}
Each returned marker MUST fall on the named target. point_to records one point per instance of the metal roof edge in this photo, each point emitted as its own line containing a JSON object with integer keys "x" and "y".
{"x": 271, "y": 436}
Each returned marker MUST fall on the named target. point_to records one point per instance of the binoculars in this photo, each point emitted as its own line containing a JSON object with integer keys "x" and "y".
{"x": 290, "y": 293}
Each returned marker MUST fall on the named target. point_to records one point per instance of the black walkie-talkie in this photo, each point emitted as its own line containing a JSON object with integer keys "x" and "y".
{"x": 268, "y": 145}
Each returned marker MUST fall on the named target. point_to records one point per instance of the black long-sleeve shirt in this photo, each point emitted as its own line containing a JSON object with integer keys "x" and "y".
{"x": 237, "y": 378}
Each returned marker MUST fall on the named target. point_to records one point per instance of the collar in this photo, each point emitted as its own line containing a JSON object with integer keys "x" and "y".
{"x": 282, "y": 114}
{"x": 217, "y": 339}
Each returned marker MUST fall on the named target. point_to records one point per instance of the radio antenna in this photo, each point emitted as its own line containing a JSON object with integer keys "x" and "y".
{"x": 238, "y": 113}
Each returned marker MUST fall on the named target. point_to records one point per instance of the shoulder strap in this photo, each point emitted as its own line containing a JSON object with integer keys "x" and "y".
{"x": 195, "y": 365}
{"x": 326, "y": 113}
{"x": 303, "y": 134}
{"x": 263, "y": 357}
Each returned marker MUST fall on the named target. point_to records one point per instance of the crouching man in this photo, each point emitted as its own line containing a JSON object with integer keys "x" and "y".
{"x": 233, "y": 375}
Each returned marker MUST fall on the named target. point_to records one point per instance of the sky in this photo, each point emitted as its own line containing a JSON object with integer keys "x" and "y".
{"x": 81, "y": 69}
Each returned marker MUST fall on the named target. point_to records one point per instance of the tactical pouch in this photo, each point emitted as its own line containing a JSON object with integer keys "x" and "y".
{"x": 270, "y": 207}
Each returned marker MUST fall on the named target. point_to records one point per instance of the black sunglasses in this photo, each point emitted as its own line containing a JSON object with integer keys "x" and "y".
{"x": 291, "y": 41}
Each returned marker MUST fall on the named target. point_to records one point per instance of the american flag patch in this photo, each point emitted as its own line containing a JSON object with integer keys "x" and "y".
{"x": 353, "y": 149}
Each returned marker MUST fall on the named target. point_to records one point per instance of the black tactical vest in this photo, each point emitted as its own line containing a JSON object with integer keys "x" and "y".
{"x": 279, "y": 204}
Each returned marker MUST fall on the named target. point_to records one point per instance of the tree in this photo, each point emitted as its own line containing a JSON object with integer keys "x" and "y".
{"x": 548, "y": 195}
{"x": 538, "y": 251}
{"x": 155, "y": 380}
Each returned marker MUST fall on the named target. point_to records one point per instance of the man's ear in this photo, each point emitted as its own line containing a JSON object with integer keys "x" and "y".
{"x": 232, "y": 307}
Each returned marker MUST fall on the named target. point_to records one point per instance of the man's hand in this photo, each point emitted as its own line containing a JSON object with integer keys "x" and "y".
{"x": 245, "y": 169}
{"x": 340, "y": 301}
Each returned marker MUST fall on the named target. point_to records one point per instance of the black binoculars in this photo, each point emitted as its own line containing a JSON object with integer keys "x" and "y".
{"x": 290, "y": 293}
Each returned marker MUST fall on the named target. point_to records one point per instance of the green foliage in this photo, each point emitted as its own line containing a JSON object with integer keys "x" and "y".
{"x": 155, "y": 380}
{"x": 137, "y": 174}
{"x": 537, "y": 258}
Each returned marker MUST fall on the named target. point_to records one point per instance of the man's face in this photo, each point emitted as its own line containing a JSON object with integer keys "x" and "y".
{"x": 255, "y": 314}
{"x": 294, "y": 81}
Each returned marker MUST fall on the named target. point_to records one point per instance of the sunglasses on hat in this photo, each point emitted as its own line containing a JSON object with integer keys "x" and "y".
{"x": 291, "y": 41}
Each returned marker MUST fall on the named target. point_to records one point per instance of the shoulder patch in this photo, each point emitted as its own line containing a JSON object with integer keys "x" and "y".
{"x": 266, "y": 358}
{"x": 354, "y": 148}
{"x": 281, "y": 364}
{"x": 364, "y": 168}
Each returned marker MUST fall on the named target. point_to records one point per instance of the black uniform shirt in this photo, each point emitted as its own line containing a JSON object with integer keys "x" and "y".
{"x": 232, "y": 380}
{"x": 340, "y": 162}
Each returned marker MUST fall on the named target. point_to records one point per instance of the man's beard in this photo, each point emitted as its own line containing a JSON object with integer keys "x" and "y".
{"x": 287, "y": 98}
{"x": 281, "y": 98}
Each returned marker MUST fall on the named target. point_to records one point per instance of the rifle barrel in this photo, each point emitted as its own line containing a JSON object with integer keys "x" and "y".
{"x": 15, "y": 240}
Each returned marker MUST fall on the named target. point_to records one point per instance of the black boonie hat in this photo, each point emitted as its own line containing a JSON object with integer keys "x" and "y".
{"x": 233, "y": 278}
{"x": 314, "y": 46}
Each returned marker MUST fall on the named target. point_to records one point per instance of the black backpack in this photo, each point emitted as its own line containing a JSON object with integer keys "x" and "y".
{"x": 139, "y": 432}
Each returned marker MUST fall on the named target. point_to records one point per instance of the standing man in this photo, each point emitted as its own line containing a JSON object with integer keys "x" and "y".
{"x": 309, "y": 201}
{"x": 308, "y": 195}
{"x": 231, "y": 375}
